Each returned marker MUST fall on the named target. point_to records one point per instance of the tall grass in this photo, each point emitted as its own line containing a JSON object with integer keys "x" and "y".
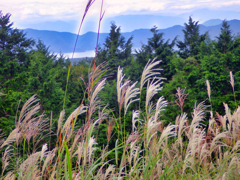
{"x": 36, "y": 149}
{"x": 186, "y": 149}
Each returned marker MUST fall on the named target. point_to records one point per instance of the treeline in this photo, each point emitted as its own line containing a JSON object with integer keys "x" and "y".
{"x": 185, "y": 64}
{"x": 28, "y": 67}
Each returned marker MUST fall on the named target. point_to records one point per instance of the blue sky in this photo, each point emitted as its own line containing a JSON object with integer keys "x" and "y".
{"x": 51, "y": 10}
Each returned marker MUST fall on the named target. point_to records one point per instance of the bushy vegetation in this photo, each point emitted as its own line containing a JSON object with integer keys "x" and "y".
{"x": 128, "y": 116}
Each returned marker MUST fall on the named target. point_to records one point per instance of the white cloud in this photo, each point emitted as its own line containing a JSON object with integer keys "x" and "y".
{"x": 37, "y": 10}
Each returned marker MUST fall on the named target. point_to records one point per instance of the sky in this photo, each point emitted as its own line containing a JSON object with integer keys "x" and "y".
{"x": 34, "y": 11}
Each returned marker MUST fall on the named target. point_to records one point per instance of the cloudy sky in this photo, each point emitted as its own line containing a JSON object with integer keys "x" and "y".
{"x": 42, "y": 10}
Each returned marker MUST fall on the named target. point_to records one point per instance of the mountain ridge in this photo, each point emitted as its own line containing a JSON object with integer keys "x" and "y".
{"x": 64, "y": 41}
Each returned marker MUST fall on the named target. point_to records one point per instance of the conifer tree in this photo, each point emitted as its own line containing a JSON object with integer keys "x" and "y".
{"x": 159, "y": 48}
{"x": 192, "y": 39}
{"x": 15, "y": 50}
{"x": 116, "y": 50}
{"x": 225, "y": 39}
{"x": 14, "y": 53}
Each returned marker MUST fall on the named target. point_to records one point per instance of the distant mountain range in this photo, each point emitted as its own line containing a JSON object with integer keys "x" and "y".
{"x": 64, "y": 41}
{"x": 129, "y": 23}
{"x": 212, "y": 22}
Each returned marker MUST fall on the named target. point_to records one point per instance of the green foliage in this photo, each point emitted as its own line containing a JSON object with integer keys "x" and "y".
{"x": 192, "y": 39}
{"x": 116, "y": 50}
{"x": 225, "y": 39}
{"x": 156, "y": 47}
{"x": 43, "y": 79}
{"x": 14, "y": 59}
{"x": 25, "y": 71}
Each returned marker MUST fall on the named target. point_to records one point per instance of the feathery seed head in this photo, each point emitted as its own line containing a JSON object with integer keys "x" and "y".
{"x": 208, "y": 90}
{"x": 135, "y": 118}
{"x": 131, "y": 93}
{"x": 231, "y": 80}
{"x": 80, "y": 110}
{"x": 149, "y": 72}
{"x": 152, "y": 89}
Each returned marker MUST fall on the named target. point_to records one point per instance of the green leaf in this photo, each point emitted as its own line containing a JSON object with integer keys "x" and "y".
{"x": 69, "y": 163}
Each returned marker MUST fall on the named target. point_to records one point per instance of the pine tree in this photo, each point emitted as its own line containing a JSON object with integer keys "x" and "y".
{"x": 15, "y": 50}
{"x": 192, "y": 39}
{"x": 116, "y": 50}
{"x": 45, "y": 78}
{"x": 156, "y": 47}
{"x": 14, "y": 54}
{"x": 225, "y": 39}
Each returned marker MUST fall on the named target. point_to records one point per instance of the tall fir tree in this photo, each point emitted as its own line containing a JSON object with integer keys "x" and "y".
{"x": 192, "y": 39}
{"x": 14, "y": 54}
{"x": 116, "y": 50}
{"x": 158, "y": 48}
{"x": 15, "y": 51}
{"x": 225, "y": 39}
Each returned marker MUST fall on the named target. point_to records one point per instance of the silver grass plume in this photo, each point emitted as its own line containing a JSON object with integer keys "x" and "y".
{"x": 5, "y": 158}
{"x": 79, "y": 151}
{"x": 49, "y": 157}
{"x": 103, "y": 113}
{"x": 160, "y": 105}
{"x": 91, "y": 143}
{"x": 181, "y": 121}
{"x": 234, "y": 162}
{"x": 98, "y": 74}
{"x": 208, "y": 90}
{"x": 80, "y": 110}
{"x": 152, "y": 89}
{"x": 231, "y": 80}
{"x": 149, "y": 71}
{"x": 101, "y": 175}
{"x": 216, "y": 141}
{"x": 120, "y": 77}
{"x": 1, "y": 138}
{"x": 167, "y": 133}
{"x": 60, "y": 120}
{"x": 195, "y": 143}
{"x": 94, "y": 101}
{"x": 30, "y": 162}
{"x": 44, "y": 149}
{"x": 110, "y": 170}
{"x": 198, "y": 115}
{"x": 13, "y": 137}
{"x": 85, "y": 152}
{"x": 125, "y": 91}
{"x": 135, "y": 119}
{"x": 134, "y": 153}
{"x": 131, "y": 93}
{"x": 27, "y": 110}
{"x": 151, "y": 128}
{"x": 88, "y": 152}
{"x": 236, "y": 147}
{"x": 121, "y": 86}
{"x": 229, "y": 117}
{"x": 10, "y": 176}
{"x": 77, "y": 137}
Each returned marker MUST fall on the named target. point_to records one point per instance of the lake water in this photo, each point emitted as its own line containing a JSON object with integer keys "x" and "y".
{"x": 80, "y": 54}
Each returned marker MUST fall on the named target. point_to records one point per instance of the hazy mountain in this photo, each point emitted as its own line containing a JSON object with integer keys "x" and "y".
{"x": 212, "y": 22}
{"x": 64, "y": 41}
{"x": 61, "y": 26}
{"x": 203, "y": 15}
{"x": 129, "y": 23}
